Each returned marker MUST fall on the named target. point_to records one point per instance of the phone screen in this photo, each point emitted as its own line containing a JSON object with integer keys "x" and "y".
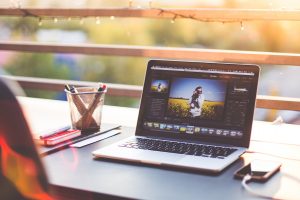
{"x": 259, "y": 169}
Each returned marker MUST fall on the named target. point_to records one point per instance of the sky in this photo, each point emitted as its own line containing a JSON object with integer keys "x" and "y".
{"x": 214, "y": 90}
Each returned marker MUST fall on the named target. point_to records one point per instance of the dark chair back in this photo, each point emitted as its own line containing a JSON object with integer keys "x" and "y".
{"x": 22, "y": 175}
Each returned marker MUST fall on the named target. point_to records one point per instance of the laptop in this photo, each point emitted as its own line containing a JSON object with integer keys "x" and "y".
{"x": 193, "y": 115}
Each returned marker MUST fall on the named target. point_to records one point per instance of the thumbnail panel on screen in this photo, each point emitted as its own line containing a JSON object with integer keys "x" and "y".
{"x": 197, "y": 98}
{"x": 161, "y": 86}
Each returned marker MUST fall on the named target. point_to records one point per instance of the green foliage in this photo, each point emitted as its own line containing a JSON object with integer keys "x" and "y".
{"x": 40, "y": 93}
{"x": 123, "y": 70}
{"x": 37, "y": 65}
{"x": 120, "y": 31}
{"x": 24, "y": 27}
{"x": 121, "y": 101}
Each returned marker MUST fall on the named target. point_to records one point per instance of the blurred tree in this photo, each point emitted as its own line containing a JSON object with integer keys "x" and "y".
{"x": 37, "y": 65}
{"x": 113, "y": 69}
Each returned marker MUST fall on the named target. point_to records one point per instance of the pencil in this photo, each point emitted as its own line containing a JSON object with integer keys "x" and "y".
{"x": 51, "y": 133}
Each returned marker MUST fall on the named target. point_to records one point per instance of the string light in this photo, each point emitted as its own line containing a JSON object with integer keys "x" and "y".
{"x": 242, "y": 26}
{"x": 271, "y": 4}
{"x": 173, "y": 20}
{"x": 40, "y": 23}
{"x": 81, "y": 21}
{"x": 98, "y": 20}
{"x": 161, "y": 12}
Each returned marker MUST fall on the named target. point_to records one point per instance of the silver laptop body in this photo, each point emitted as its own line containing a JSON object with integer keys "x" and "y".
{"x": 187, "y": 111}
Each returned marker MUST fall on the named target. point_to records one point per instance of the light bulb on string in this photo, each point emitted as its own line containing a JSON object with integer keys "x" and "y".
{"x": 173, "y": 20}
{"x": 242, "y": 26}
{"x": 55, "y": 20}
{"x": 271, "y": 5}
{"x": 81, "y": 21}
{"x": 69, "y": 19}
{"x": 40, "y": 23}
{"x": 112, "y": 17}
{"x": 98, "y": 20}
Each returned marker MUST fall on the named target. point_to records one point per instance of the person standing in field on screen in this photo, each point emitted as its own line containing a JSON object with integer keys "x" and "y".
{"x": 159, "y": 87}
{"x": 196, "y": 102}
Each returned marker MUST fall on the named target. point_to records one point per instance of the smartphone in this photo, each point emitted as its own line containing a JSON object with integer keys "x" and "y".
{"x": 259, "y": 170}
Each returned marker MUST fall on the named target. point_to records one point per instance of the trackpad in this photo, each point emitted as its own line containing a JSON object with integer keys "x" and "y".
{"x": 161, "y": 157}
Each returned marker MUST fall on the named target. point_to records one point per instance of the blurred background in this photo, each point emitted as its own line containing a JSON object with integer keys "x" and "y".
{"x": 270, "y": 36}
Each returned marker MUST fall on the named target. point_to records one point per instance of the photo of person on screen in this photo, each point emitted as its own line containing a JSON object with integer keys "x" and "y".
{"x": 196, "y": 98}
{"x": 196, "y": 102}
{"x": 159, "y": 87}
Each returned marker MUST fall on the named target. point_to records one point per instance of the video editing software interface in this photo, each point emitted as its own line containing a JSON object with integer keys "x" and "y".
{"x": 203, "y": 101}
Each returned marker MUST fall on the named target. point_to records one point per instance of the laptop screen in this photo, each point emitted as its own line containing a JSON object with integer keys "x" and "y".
{"x": 211, "y": 102}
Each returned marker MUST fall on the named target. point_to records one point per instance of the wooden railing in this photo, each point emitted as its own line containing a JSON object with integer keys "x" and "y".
{"x": 268, "y": 102}
{"x": 157, "y": 52}
{"x": 200, "y": 14}
{"x": 221, "y": 15}
{"x": 58, "y": 85}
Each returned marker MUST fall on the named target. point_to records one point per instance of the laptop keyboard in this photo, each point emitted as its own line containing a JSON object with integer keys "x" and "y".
{"x": 180, "y": 148}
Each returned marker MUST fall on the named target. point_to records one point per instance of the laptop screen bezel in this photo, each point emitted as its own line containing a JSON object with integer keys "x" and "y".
{"x": 241, "y": 142}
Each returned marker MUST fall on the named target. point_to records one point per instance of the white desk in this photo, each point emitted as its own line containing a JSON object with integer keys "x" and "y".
{"x": 280, "y": 140}
{"x": 44, "y": 114}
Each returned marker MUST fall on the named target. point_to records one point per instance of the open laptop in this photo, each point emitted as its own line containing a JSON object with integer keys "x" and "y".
{"x": 192, "y": 115}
